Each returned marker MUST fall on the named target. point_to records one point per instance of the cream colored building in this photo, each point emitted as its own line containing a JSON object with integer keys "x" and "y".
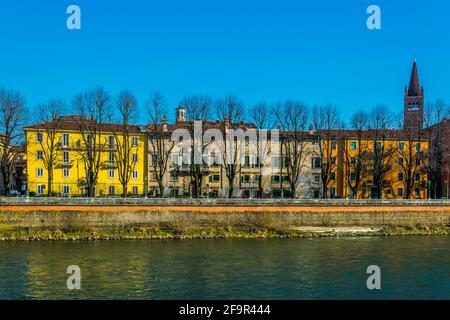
{"x": 273, "y": 172}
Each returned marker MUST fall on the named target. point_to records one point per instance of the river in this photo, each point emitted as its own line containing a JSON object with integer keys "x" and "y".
{"x": 320, "y": 268}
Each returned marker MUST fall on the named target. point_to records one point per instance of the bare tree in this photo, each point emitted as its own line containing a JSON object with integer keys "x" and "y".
{"x": 382, "y": 152}
{"x": 355, "y": 159}
{"x": 230, "y": 111}
{"x": 160, "y": 141}
{"x": 409, "y": 157}
{"x": 261, "y": 117}
{"x": 127, "y": 106}
{"x": 198, "y": 108}
{"x": 49, "y": 115}
{"x": 12, "y": 118}
{"x": 434, "y": 113}
{"x": 292, "y": 118}
{"x": 94, "y": 109}
{"x": 326, "y": 120}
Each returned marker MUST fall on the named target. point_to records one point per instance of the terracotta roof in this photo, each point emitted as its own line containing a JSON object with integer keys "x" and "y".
{"x": 368, "y": 134}
{"x": 206, "y": 125}
{"x": 72, "y": 123}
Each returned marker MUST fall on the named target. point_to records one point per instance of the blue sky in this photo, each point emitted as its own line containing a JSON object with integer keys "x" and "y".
{"x": 316, "y": 51}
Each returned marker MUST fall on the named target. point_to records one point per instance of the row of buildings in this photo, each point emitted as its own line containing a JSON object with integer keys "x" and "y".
{"x": 77, "y": 156}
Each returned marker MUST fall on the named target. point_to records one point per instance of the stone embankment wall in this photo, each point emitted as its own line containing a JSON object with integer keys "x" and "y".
{"x": 197, "y": 213}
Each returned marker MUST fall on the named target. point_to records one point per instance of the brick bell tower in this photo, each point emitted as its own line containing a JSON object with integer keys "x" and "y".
{"x": 413, "y": 108}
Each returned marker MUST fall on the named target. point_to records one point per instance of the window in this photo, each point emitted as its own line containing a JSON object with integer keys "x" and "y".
{"x": 39, "y": 155}
{"x": 333, "y": 161}
{"x": 111, "y": 173}
{"x": 275, "y": 178}
{"x": 175, "y": 160}
{"x": 413, "y": 106}
{"x": 214, "y": 178}
{"x": 65, "y": 139}
{"x": 134, "y": 141}
{"x": 135, "y": 158}
{"x": 39, "y": 172}
{"x": 353, "y": 145}
{"x": 134, "y": 190}
{"x": 134, "y": 174}
{"x": 400, "y": 192}
{"x": 333, "y": 145}
{"x": 111, "y": 142}
{"x": 247, "y": 161}
{"x": 418, "y": 146}
{"x": 111, "y": 158}
{"x": 39, "y": 137}
{"x": 111, "y": 190}
{"x": 174, "y": 175}
{"x": 257, "y": 177}
{"x": 401, "y": 146}
{"x": 66, "y": 190}
{"x": 66, "y": 173}
{"x": 40, "y": 188}
{"x": 400, "y": 161}
{"x": 352, "y": 176}
{"x": 417, "y": 176}
{"x": 245, "y": 179}
{"x": 333, "y": 176}
{"x": 400, "y": 176}
{"x": 377, "y": 145}
{"x": 417, "y": 192}
{"x": 316, "y": 163}
{"x": 417, "y": 161}
{"x": 66, "y": 156}
{"x": 276, "y": 162}
{"x": 316, "y": 178}
{"x": 333, "y": 192}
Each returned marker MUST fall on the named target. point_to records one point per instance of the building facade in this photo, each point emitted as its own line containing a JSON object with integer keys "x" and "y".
{"x": 366, "y": 163}
{"x": 60, "y": 153}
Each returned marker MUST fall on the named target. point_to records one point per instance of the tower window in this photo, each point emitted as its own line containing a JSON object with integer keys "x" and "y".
{"x": 413, "y": 106}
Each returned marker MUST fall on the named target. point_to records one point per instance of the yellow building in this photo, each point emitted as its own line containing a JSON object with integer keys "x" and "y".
{"x": 60, "y": 153}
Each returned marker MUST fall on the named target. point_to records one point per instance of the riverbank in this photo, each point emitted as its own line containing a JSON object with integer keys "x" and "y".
{"x": 280, "y": 219}
{"x": 177, "y": 232}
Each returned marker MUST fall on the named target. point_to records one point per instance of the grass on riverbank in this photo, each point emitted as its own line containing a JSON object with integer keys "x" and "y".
{"x": 179, "y": 232}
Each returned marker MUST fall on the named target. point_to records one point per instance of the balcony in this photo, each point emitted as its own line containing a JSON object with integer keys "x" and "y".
{"x": 109, "y": 165}
{"x": 65, "y": 164}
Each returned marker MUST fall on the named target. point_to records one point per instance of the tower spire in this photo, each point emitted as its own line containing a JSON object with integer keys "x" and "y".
{"x": 414, "y": 89}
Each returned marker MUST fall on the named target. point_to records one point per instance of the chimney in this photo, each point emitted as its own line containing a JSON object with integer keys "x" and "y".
{"x": 164, "y": 123}
{"x": 311, "y": 129}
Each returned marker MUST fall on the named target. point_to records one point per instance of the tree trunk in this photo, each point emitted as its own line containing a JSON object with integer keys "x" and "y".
{"x": 161, "y": 188}
{"x": 49, "y": 182}
{"x": 125, "y": 189}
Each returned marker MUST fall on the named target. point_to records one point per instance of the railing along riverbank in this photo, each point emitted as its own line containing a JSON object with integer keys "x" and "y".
{"x": 78, "y": 201}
